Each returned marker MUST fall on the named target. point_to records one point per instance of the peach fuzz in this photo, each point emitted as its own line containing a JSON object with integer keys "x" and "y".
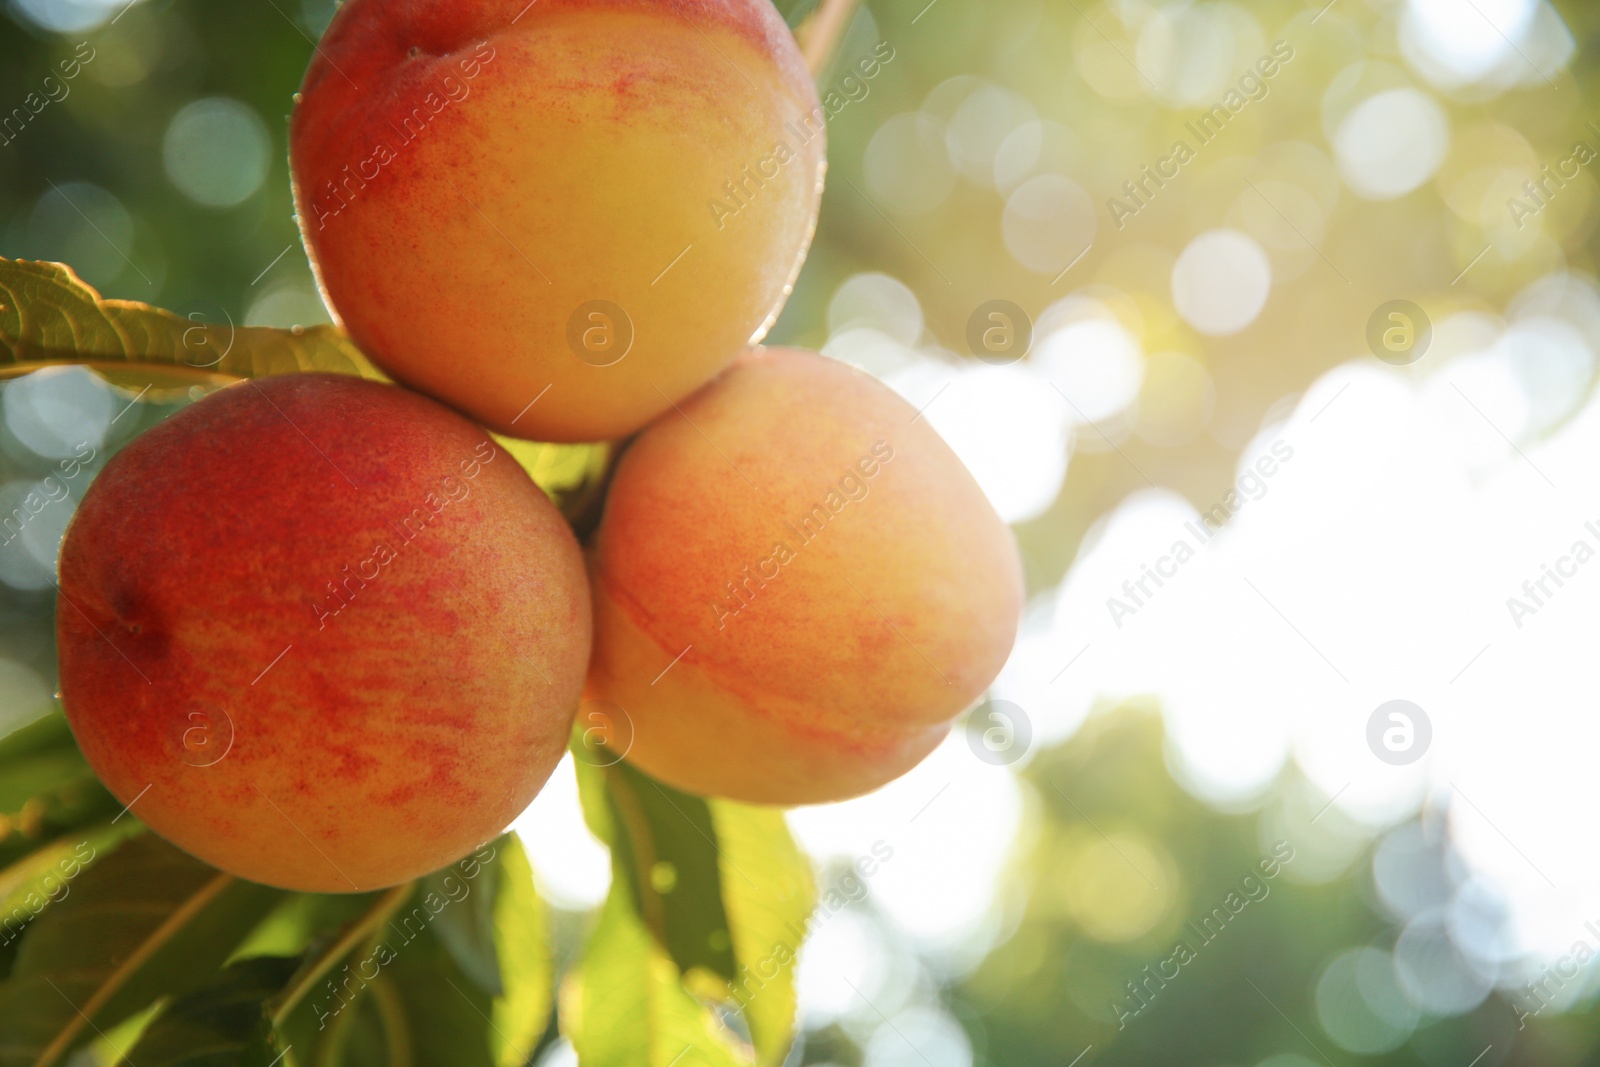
{"x": 473, "y": 177}
{"x": 321, "y": 632}
{"x": 831, "y": 581}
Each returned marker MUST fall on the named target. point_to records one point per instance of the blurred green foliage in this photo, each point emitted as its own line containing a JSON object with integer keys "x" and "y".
{"x": 1248, "y": 992}
{"x": 109, "y": 130}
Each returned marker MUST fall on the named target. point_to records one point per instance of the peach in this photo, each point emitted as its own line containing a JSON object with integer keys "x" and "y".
{"x": 797, "y": 586}
{"x": 321, "y": 632}
{"x": 559, "y": 217}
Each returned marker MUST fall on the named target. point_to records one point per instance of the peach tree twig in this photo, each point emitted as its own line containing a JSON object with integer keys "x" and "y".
{"x": 366, "y": 926}
{"x": 823, "y": 31}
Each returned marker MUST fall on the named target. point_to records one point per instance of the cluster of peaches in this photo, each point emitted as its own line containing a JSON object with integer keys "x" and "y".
{"x": 325, "y": 633}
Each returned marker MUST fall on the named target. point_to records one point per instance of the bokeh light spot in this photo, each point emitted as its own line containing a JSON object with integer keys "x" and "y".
{"x": 1220, "y": 282}
{"x": 216, "y": 151}
{"x": 1391, "y": 143}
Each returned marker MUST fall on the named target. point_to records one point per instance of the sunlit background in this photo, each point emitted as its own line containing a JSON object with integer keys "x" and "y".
{"x": 1244, "y": 532}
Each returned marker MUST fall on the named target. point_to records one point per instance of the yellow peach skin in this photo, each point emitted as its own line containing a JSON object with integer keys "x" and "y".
{"x": 831, "y": 581}
{"x": 321, "y": 632}
{"x": 559, "y": 217}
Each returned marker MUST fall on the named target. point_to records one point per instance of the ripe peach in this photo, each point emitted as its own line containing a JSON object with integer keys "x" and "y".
{"x": 797, "y": 586}
{"x": 321, "y": 632}
{"x": 603, "y": 199}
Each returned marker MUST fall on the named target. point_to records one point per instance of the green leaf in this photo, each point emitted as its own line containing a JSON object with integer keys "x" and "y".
{"x": 55, "y": 816}
{"x": 44, "y": 777}
{"x": 592, "y": 797}
{"x": 768, "y": 892}
{"x": 496, "y": 932}
{"x": 46, "y": 875}
{"x": 447, "y": 1019}
{"x": 295, "y": 1006}
{"x": 454, "y": 969}
{"x": 573, "y": 476}
{"x": 50, "y": 801}
{"x": 406, "y": 1001}
{"x": 145, "y": 922}
{"x": 49, "y": 315}
{"x": 522, "y": 946}
{"x": 492, "y": 987}
{"x": 466, "y": 926}
{"x": 109, "y": 1045}
{"x": 708, "y": 900}
{"x": 667, "y": 856}
{"x": 221, "y": 1025}
{"x": 47, "y": 734}
{"x": 36, "y": 775}
{"x": 300, "y": 920}
{"x": 627, "y": 1006}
